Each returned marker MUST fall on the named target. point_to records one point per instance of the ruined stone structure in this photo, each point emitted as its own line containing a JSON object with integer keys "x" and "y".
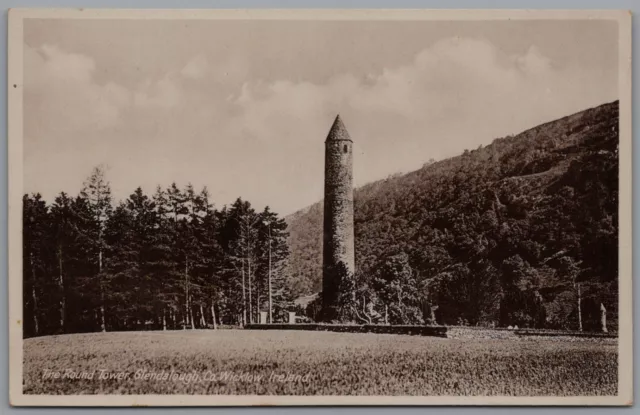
{"x": 339, "y": 250}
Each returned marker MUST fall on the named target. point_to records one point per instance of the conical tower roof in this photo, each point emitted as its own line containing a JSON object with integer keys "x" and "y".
{"x": 338, "y": 131}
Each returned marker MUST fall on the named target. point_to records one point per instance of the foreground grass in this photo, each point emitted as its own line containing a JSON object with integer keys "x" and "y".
{"x": 322, "y": 363}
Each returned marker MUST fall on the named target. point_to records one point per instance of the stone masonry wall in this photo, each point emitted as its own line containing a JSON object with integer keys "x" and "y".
{"x": 339, "y": 248}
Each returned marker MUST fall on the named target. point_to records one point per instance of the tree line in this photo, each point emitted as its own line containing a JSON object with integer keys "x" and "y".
{"x": 166, "y": 261}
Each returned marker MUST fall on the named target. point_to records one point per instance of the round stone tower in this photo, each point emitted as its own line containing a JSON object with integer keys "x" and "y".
{"x": 338, "y": 250}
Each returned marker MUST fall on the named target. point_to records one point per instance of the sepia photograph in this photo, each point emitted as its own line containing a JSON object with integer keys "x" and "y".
{"x": 319, "y": 207}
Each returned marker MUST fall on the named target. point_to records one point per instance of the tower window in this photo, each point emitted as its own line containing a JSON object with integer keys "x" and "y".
{"x": 345, "y": 148}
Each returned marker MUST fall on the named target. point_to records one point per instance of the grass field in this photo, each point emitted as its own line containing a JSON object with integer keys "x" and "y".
{"x": 324, "y": 363}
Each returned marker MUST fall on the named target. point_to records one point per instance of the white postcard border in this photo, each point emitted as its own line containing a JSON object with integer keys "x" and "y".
{"x": 15, "y": 186}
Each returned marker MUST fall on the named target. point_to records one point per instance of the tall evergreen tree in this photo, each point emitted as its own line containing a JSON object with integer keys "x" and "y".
{"x": 272, "y": 252}
{"x": 64, "y": 237}
{"x": 97, "y": 191}
{"x": 34, "y": 265}
{"x": 121, "y": 273}
{"x": 209, "y": 263}
{"x": 162, "y": 265}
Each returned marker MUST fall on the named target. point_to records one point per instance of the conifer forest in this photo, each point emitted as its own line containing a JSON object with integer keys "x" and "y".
{"x": 168, "y": 261}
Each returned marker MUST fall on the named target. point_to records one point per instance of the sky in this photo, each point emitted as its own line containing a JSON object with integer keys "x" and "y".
{"x": 243, "y": 107}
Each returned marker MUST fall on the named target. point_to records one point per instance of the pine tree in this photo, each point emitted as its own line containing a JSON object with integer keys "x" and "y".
{"x": 273, "y": 251}
{"x": 142, "y": 211}
{"x": 121, "y": 272}
{"x": 63, "y": 232}
{"x": 175, "y": 212}
{"x": 162, "y": 266}
{"x": 97, "y": 191}
{"x": 34, "y": 256}
{"x": 209, "y": 265}
{"x": 239, "y": 237}
{"x": 232, "y": 293}
{"x": 84, "y": 292}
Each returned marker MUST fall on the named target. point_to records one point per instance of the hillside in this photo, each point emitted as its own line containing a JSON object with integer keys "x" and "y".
{"x": 510, "y": 233}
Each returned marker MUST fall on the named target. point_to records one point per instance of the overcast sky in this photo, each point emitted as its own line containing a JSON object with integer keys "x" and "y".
{"x": 243, "y": 107}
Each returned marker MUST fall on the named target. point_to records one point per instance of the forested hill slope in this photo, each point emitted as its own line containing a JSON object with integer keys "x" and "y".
{"x": 510, "y": 233}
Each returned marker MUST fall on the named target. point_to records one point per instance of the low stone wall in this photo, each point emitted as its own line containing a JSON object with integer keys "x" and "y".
{"x": 451, "y": 332}
{"x": 559, "y": 335}
{"x": 434, "y": 331}
{"x": 466, "y": 332}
